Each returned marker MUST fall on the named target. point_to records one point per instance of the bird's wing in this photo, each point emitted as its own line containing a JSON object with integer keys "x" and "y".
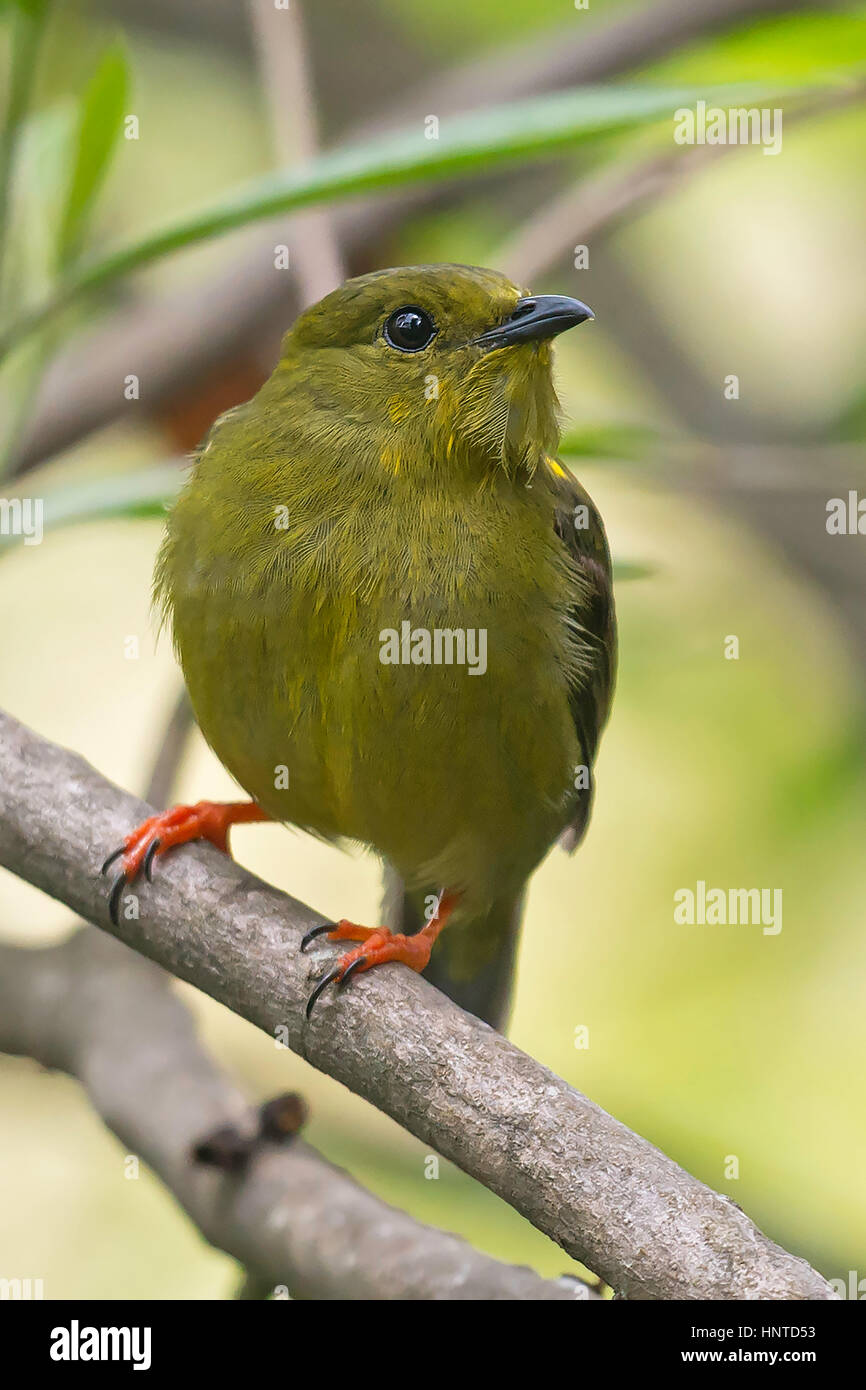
{"x": 592, "y": 623}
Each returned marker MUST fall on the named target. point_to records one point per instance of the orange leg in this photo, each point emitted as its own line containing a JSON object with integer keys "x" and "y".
{"x": 378, "y": 946}
{"x": 206, "y": 820}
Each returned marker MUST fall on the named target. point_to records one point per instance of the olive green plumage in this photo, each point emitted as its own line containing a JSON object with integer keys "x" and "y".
{"x": 364, "y": 487}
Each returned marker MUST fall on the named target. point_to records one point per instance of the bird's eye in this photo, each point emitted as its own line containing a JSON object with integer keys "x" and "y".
{"x": 409, "y": 329}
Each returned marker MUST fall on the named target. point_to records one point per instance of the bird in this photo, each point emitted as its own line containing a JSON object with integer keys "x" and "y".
{"x": 393, "y": 607}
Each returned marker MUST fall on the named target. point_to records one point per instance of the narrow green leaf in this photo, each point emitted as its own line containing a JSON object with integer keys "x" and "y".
{"x": 34, "y": 8}
{"x": 145, "y": 492}
{"x": 849, "y": 426}
{"x": 609, "y": 442}
{"x": 626, "y": 570}
{"x": 811, "y": 44}
{"x": 25, "y": 35}
{"x": 99, "y": 125}
{"x": 524, "y": 130}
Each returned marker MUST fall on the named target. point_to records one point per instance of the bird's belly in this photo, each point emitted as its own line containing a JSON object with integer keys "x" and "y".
{"x": 441, "y": 736}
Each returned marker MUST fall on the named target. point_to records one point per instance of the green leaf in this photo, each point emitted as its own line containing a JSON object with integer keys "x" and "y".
{"x": 25, "y": 35}
{"x": 43, "y": 157}
{"x": 609, "y": 442}
{"x": 35, "y": 9}
{"x": 849, "y": 426}
{"x": 521, "y": 131}
{"x": 788, "y": 48}
{"x": 99, "y": 126}
{"x": 145, "y": 492}
{"x": 625, "y": 570}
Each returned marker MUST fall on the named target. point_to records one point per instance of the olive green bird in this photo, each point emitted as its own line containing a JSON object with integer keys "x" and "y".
{"x": 394, "y": 613}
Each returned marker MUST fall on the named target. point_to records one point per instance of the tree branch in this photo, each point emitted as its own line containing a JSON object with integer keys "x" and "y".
{"x": 611, "y": 1200}
{"x": 95, "y": 1010}
{"x": 281, "y": 50}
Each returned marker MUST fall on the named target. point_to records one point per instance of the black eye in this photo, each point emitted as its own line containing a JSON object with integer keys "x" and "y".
{"x": 409, "y": 329}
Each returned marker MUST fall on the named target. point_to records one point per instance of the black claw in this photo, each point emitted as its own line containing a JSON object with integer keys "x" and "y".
{"x": 117, "y": 888}
{"x": 351, "y": 970}
{"x": 115, "y": 854}
{"x": 314, "y": 932}
{"x": 321, "y": 987}
{"x": 149, "y": 858}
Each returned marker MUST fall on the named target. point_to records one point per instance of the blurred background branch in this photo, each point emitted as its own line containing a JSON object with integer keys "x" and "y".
{"x": 281, "y": 50}
{"x": 596, "y": 205}
{"x": 95, "y": 1010}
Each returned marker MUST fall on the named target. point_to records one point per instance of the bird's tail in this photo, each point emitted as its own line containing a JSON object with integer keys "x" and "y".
{"x": 473, "y": 961}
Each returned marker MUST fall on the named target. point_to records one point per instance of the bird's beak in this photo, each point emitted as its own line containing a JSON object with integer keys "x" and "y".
{"x": 540, "y": 316}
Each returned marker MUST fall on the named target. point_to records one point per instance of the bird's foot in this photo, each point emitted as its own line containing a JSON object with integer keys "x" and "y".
{"x": 378, "y": 946}
{"x": 206, "y": 820}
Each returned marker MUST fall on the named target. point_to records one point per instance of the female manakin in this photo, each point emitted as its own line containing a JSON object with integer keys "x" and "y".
{"x": 394, "y": 613}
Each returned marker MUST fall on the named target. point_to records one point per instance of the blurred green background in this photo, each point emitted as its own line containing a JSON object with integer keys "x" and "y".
{"x": 711, "y": 1042}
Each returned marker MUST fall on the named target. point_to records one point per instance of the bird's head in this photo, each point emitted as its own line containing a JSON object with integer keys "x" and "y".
{"x": 449, "y": 363}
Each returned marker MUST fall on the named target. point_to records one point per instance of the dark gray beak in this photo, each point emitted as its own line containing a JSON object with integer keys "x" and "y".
{"x": 541, "y": 316}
